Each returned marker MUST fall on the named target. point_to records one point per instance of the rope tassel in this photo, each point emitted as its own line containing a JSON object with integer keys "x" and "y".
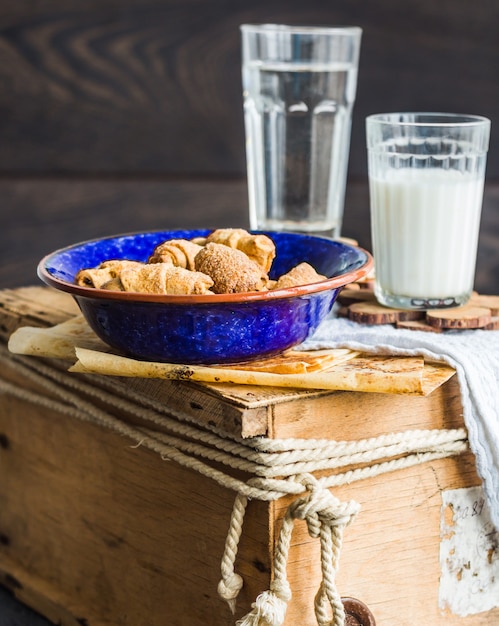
{"x": 326, "y": 518}
{"x": 280, "y": 468}
{"x": 269, "y": 609}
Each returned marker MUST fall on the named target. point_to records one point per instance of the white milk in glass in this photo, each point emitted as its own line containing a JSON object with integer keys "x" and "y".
{"x": 298, "y": 118}
{"x": 426, "y": 221}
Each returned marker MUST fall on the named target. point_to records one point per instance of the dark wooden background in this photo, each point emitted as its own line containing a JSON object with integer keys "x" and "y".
{"x": 127, "y": 115}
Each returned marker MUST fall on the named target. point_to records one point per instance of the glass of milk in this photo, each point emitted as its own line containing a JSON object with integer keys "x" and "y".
{"x": 426, "y": 178}
{"x": 299, "y": 86}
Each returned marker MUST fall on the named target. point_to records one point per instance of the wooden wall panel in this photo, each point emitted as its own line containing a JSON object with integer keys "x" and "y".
{"x": 123, "y": 115}
{"x": 154, "y": 86}
{"x": 42, "y": 215}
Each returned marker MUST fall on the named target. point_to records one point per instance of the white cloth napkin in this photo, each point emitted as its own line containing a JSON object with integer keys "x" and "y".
{"x": 475, "y": 356}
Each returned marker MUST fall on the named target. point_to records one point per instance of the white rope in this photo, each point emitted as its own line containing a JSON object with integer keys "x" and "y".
{"x": 277, "y": 468}
{"x": 326, "y": 518}
{"x": 231, "y": 583}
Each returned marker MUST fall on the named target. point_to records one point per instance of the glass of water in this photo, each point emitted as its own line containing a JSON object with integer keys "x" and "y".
{"x": 299, "y": 86}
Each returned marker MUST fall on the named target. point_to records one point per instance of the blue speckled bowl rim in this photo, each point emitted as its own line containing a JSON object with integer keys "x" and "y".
{"x": 302, "y": 290}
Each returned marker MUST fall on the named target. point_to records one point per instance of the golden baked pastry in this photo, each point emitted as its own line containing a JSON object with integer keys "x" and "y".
{"x": 230, "y": 269}
{"x": 259, "y": 248}
{"x": 302, "y": 274}
{"x": 201, "y": 241}
{"x": 163, "y": 278}
{"x": 114, "y": 284}
{"x": 229, "y": 260}
{"x": 179, "y": 252}
{"x": 104, "y": 273}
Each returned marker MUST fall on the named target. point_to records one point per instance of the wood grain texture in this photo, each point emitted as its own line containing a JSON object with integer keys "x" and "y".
{"x": 41, "y": 215}
{"x": 390, "y": 554}
{"x": 119, "y": 116}
{"x": 122, "y": 87}
{"x": 95, "y": 527}
{"x": 155, "y": 86}
{"x": 127, "y": 115}
{"x": 108, "y": 513}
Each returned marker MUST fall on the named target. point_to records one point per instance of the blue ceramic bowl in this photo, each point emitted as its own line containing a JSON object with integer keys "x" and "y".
{"x": 212, "y": 328}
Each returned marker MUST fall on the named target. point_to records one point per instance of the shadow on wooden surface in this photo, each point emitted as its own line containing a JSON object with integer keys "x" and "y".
{"x": 13, "y": 613}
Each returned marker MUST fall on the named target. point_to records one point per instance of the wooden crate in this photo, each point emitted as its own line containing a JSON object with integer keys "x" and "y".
{"x": 97, "y": 530}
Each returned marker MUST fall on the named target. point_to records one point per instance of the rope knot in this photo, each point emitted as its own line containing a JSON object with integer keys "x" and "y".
{"x": 319, "y": 507}
{"x": 280, "y": 587}
{"x": 229, "y": 588}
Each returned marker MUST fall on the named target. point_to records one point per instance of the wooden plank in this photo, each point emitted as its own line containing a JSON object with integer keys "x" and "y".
{"x": 54, "y": 532}
{"x": 33, "y": 306}
{"x": 350, "y": 415}
{"x": 156, "y": 87}
{"x": 390, "y": 554}
{"x": 122, "y": 90}
{"x": 84, "y": 511}
{"x": 239, "y": 409}
{"x": 43, "y": 215}
{"x": 76, "y": 567}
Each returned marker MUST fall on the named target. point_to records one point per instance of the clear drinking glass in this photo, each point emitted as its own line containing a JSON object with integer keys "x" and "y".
{"x": 426, "y": 179}
{"x": 299, "y": 86}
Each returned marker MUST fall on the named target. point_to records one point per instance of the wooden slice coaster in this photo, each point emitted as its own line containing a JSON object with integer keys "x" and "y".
{"x": 489, "y": 302}
{"x": 342, "y": 311}
{"x": 358, "y": 302}
{"x": 352, "y": 287}
{"x": 460, "y": 317}
{"x": 367, "y": 283}
{"x": 373, "y": 313}
{"x": 349, "y": 296}
{"x": 418, "y": 325}
{"x": 493, "y": 324}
